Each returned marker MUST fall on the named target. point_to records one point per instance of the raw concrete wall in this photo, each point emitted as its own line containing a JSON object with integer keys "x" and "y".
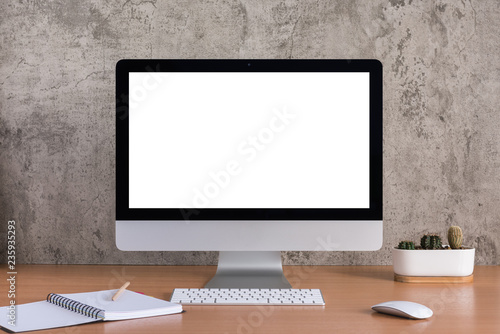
{"x": 441, "y": 110}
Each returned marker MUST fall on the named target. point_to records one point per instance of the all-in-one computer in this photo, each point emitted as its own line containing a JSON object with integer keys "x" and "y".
{"x": 249, "y": 158}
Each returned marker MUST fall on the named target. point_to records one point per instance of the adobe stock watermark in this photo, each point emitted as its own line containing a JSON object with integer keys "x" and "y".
{"x": 119, "y": 278}
{"x": 450, "y": 294}
{"x": 253, "y": 320}
{"x": 139, "y": 92}
{"x": 246, "y": 152}
{"x": 11, "y": 273}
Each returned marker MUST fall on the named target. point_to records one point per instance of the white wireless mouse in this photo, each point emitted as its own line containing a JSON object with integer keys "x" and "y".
{"x": 404, "y": 309}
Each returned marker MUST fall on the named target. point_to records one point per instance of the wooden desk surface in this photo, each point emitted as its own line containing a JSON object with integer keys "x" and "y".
{"x": 349, "y": 292}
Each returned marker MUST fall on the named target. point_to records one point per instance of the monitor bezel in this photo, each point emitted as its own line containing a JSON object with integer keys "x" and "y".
{"x": 126, "y": 66}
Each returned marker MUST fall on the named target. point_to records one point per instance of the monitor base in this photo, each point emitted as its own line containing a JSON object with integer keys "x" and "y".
{"x": 249, "y": 270}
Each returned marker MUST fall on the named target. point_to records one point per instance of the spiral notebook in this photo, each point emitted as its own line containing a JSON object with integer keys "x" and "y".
{"x": 80, "y": 308}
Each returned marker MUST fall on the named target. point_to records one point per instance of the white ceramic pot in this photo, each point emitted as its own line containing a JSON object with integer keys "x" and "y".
{"x": 439, "y": 262}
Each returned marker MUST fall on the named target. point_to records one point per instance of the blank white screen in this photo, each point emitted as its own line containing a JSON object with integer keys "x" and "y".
{"x": 249, "y": 140}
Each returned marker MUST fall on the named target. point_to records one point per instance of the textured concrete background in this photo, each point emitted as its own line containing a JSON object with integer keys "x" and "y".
{"x": 441, "y": 104}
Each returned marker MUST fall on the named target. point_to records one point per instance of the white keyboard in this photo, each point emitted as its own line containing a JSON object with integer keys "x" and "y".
{"x": 247, "y": 297}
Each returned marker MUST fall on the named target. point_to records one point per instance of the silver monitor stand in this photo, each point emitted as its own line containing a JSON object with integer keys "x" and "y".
{"x": 249, "y": 270}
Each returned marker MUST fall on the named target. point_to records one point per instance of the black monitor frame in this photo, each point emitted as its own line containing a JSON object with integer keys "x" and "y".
{"x": 124, "y": 67}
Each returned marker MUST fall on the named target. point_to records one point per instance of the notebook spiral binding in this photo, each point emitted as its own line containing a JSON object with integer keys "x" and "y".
{"x": 73, "y": 305}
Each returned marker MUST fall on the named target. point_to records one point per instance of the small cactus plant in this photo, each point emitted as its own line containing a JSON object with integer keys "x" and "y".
{"x": 455, "y": 237}
{"x": 406, "y": 245}
{"x": 430, "y": 241}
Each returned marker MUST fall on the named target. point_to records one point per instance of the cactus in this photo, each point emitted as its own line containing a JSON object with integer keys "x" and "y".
{"x": 430, "y": 241}
{"x": 455, "y": 237}
{"x": 406, "y": 245}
